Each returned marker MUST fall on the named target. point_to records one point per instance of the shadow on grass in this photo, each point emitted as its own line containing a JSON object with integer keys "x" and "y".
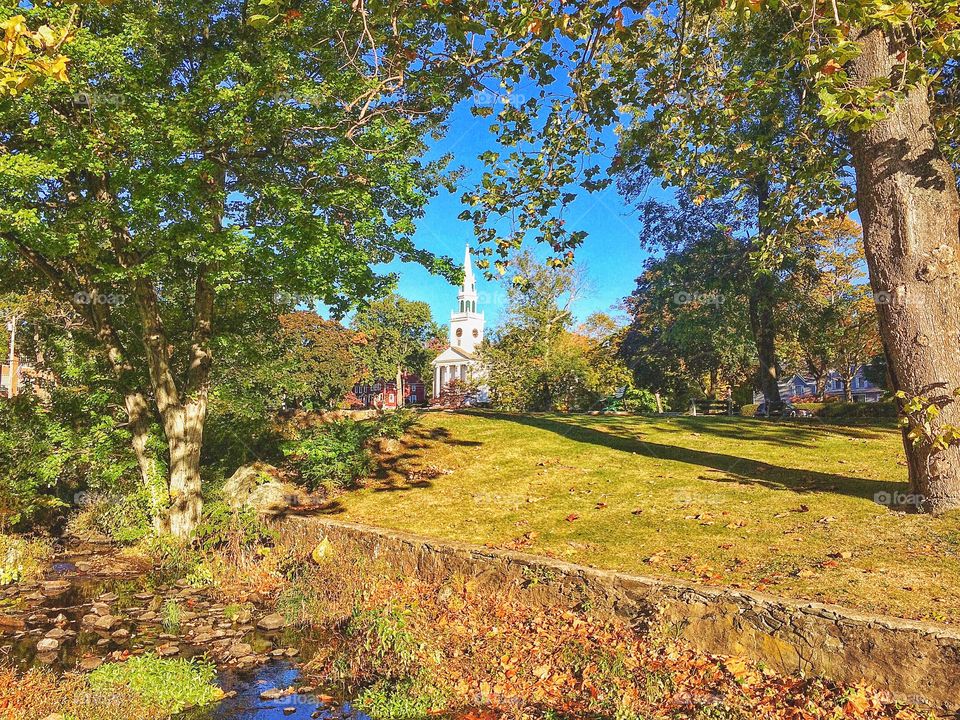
{"x": 739, "y": 470}
{"x": 398, "y": 472}
{"x": 804, "y": 432}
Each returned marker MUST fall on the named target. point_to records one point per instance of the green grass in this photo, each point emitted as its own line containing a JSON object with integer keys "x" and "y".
{"x": 170, "y": 616}
{"x": 725, "y": 501}
{"x": 172, "y": 685}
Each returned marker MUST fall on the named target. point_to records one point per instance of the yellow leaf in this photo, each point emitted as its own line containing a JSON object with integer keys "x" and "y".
{"x": 322, "y": 552}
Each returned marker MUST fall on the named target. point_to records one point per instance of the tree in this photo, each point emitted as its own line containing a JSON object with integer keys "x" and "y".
{"x": 30, "y": 56}
{"x": 533, "y": 361}
{"x": 319, "y": 360}
{"x": 691, "y": 331}
{"x": 397, "y": 336}
{"x": 220, "y": 157}
{"x": 833, "y": 309}
{"x": 882, "y": 74}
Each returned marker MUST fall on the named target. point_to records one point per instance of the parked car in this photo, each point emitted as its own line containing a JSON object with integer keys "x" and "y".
{"x": 781, "y": 409}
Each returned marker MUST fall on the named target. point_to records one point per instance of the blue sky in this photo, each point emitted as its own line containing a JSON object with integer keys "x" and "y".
{"x": 611, "y": 254}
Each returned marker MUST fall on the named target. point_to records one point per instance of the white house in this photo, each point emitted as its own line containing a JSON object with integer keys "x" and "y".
{"x": 459, "y": 361}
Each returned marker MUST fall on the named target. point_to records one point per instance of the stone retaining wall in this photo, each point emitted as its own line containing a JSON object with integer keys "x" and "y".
{"x": 918, "y": 662}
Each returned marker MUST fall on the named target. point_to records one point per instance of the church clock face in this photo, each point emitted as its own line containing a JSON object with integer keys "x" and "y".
{"x": 459, "y": 332}
{"x": 476, "y": 333}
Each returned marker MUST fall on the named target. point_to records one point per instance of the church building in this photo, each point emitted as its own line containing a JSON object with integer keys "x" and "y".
{"x": 459, "y": 361}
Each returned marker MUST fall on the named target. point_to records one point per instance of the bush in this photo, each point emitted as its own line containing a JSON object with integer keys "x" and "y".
{"x": 49, "y": 451}
{"x": 834, "y": 409}
{"x": 640, "y": 401}
{"x": 169, "y": 684}
{"x": 22, "y": 559}
{"x": 393, "y": 425}
{"x": 333, "y": 454}
{"x": 221, "y": 526}
{"x": 840, "y": 410}
{"x": 122, "y": 518}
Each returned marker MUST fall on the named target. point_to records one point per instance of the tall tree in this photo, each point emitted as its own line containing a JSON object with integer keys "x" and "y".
{"x": 398, "y": 337}
{"x": 691, "y": 329}
{"x": 882, "y": 74}
{"x": 216, "y": 157}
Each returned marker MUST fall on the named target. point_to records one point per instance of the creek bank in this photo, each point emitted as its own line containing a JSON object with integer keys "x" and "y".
{"x": 917, "y": 662}
{"x": 96, "y": 606}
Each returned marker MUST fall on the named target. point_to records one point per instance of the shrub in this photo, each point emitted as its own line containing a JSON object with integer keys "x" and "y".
{"x": 22, "y": 559}
{"x": 169, "y": 684}
{"x": 37, "y": 693}
{"x": 221, "y": 527}
{"x": 394, "y": 425}
{"x": 48, "y": 451}
{"x": 842, "y": 410}
{"x": 123, "y": 518}
{"x": 171, "y": 557}
{"x": 333, "y": 454}
{"x": 404, "y": 700}
{"x": 640, "y": 401}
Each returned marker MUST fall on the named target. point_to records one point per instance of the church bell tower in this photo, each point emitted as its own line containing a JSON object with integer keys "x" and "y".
{"x": 466, "y": 324}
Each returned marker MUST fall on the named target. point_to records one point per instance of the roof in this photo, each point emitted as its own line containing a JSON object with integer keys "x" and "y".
{"x": 458, "y": 354}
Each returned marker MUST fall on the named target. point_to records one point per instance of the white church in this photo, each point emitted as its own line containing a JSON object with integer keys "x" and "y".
{"x": 459, "y": 361}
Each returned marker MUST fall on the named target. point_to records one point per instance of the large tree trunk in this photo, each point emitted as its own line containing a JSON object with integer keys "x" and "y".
{"x": 908, "y": 201}
{"x": 765, "y": 334}
{"x": 185, "y": 439}
{"x": 152, "y": 472}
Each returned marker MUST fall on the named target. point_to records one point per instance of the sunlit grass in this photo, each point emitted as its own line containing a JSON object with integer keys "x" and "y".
{"x": 786, "y": 507}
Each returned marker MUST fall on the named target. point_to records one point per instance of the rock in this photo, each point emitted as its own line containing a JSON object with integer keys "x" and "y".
{"x": 289, "y": 710}
{"x": 255, "y": 486}
{"x": 106, "y": 622}
{"x": 100, "y": 608}
{"x": 238, "y": 650}
{"x": 271, "y": 622}
{"x": 248, "y": 661}
{"x": 88, "y": 664}
{"x": 48, "y": 645}
{"x": 167, "y": 649}
{"x": 55, "y": 633}
{"x": 55, "y": 587}
{"x": 108, "y": 598}
{"x": 291, "y": 652}
{"x": 121, "y": 634}
{"x": 8, "y": 622}
{"x": 275, "y": 693}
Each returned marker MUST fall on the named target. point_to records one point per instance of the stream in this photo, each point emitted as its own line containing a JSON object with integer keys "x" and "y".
{"x": 94, "y": 607}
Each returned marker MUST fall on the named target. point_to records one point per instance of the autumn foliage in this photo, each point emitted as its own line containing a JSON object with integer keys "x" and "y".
{"x": 496, "y": 654}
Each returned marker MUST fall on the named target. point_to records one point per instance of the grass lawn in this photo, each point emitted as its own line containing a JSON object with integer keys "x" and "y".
{"x": 784, "y": 507}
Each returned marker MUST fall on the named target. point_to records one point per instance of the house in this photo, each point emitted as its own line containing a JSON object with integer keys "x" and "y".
{"x": 460, "y": 361}
{"x": 802, "y": 387}
{"x": 382, "y": 395}
{"x": 11, "y": 383}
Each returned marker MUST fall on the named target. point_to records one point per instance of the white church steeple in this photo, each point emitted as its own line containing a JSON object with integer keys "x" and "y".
{"x": 466, "y": 324}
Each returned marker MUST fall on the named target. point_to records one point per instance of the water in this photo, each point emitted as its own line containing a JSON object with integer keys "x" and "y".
{"x": 247, "y": 704}
{"x": 244, "y": 687}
